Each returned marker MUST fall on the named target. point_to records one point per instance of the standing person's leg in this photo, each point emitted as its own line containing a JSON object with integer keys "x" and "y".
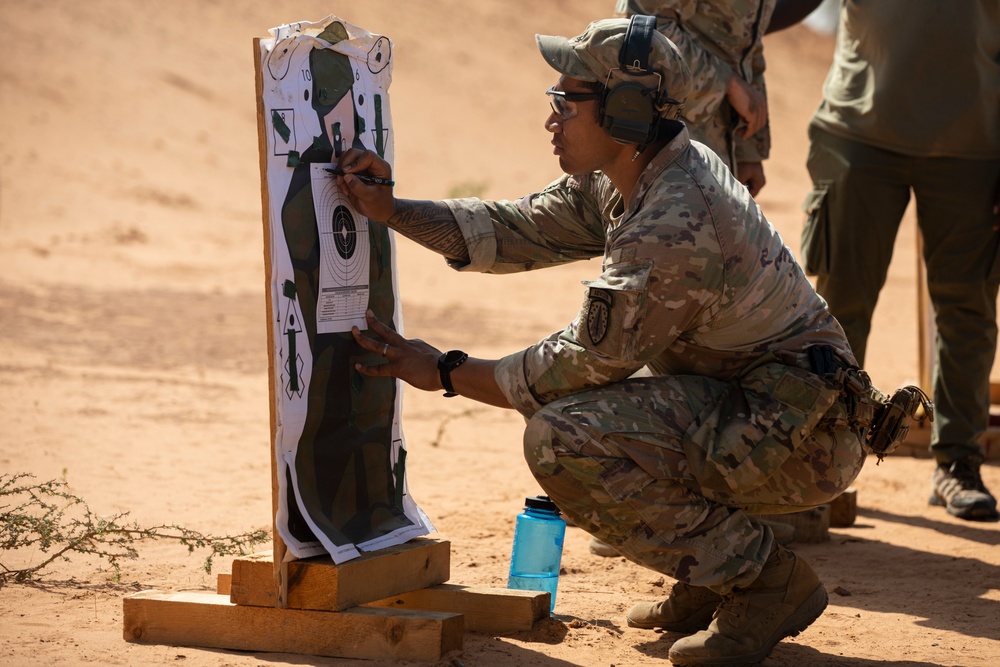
{"x": 955, "y": 199}
{"x": 859, "y": 197}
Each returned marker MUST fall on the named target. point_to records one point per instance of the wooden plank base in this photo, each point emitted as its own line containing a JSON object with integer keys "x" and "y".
{"x": 212, "y": 621}
{"x": 491, "y": 610}
{"x": 319, "y": 584}
{"x": 811, "y": 526}
{"x": 844, "y": 509}
{"x": 421, "y": 624}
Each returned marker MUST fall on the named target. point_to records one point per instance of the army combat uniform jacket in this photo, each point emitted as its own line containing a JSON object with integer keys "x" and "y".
{"x": 717, "y": 40}
{"x": 695, "y": 280}
{"x": 698, "y": 288}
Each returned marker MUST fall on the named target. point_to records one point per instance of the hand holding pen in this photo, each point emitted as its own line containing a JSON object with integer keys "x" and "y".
{"x": 367, "y": 181}
{"x": 364, "y": 178}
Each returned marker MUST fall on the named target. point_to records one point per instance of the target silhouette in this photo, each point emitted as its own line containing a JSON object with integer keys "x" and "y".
{"x": 280, "y": 57}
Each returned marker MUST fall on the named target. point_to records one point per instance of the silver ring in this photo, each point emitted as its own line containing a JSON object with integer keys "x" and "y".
{"x": 385, "y": 349}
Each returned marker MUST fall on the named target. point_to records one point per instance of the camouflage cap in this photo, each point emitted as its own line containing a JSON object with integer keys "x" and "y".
{"x": 594, "y": 54}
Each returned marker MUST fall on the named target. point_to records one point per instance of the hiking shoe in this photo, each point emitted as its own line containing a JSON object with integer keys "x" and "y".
{"x": 783, "y": 601}
{"x": 958, "y": 487}
{"x": 686, "y": 609}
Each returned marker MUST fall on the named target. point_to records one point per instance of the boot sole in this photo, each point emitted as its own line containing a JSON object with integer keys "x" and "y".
{"x": 807, "y": 612}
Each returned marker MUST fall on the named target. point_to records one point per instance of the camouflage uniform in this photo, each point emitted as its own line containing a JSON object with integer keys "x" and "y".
{"x": 698, "y": 288}
{"x": 716, "y": 39}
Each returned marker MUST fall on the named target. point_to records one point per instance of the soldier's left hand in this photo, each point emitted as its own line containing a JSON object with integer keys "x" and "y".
{"x": 411, "y": 360}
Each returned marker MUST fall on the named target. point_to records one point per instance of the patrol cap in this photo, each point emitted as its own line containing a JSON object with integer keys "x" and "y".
{"x": 594, "y": 54}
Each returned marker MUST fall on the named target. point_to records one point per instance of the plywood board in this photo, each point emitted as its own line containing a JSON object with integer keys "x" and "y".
{"x": 492, "y": 610}
{"x": 317, "y": 583}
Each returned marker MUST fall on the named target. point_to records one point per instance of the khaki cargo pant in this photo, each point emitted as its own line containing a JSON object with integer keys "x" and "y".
{"x": 854, "y": 211}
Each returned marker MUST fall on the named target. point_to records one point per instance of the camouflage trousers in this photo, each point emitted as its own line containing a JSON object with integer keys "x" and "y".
{"x": 632, "y": 464}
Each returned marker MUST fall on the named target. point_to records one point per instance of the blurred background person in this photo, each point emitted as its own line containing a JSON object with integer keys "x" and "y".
{"x": 722, "y": 44}
{"x": 912, "y": 105}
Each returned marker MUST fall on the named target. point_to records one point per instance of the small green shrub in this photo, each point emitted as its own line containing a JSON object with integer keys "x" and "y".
{"x": 46, "y": 516}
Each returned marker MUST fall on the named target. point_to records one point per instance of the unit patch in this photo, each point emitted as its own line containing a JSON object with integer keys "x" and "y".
{"x": 598, "y": 313}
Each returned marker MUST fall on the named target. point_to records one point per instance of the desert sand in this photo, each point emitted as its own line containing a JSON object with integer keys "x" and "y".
{"x": 133, "y": 359}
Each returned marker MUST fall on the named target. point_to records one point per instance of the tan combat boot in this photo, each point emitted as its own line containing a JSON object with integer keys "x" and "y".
{"x": 686, "y": 609}
{"x": 783, "y": 601}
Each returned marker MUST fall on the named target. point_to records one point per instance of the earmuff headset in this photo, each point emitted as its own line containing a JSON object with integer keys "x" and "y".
{"x": 628, "y": 111}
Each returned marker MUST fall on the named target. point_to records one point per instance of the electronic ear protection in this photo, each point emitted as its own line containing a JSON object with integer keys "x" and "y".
{"x": 628, "y": 111}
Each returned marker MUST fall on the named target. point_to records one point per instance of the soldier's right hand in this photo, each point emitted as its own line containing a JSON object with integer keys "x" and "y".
{"x": 374, "y": 201}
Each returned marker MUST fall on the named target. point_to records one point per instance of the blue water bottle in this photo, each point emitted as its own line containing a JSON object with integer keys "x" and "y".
{"x": 538, "y": 543}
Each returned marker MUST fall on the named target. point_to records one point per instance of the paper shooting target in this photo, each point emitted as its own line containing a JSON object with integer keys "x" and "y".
{"x": 327, "y": 266}
{"x": 344, "y": 254}
{"x": 344, "y": 231}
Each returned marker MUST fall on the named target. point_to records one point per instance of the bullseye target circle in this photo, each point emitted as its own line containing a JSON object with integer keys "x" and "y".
{"x": 345, "y": 237}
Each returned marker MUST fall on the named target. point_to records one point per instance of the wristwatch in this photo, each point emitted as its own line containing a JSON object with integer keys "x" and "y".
{"x": 448, "y": 362}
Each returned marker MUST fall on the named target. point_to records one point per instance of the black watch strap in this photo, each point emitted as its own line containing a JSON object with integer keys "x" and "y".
{"x": 448, "y": 362}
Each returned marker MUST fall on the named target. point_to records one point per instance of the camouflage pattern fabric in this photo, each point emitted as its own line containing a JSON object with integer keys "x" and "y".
{"x": 637, "y": 464}
{"x": 698, "y": 288}
{"x": 594, "y": 55}
{"x": 716, "y": 39}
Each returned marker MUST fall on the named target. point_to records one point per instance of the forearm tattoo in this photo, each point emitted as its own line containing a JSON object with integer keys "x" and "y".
{"x": 432, "y": 225}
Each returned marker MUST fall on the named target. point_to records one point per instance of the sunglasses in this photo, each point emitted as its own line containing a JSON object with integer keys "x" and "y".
{"x": 564, "y": 104}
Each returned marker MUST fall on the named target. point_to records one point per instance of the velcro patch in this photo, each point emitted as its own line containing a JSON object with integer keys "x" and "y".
{"x": 599, "y": 302}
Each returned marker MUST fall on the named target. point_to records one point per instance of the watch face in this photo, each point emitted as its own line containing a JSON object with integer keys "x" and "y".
{"x": 453, "y": 356}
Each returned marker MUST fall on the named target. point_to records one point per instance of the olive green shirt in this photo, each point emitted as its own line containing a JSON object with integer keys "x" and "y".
{"x": 918, "y": 77}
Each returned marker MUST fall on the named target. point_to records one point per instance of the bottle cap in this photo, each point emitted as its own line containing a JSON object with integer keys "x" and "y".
{"x": 541, "y": 503}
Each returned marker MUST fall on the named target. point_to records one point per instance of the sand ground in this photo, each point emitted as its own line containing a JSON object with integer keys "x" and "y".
{"x": 132, "y": 331}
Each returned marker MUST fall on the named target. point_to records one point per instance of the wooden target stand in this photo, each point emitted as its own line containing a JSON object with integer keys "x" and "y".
{"x": 393, "y": 603}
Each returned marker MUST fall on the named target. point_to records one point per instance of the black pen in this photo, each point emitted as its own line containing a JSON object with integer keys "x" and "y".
{"x": 364, "y": 178}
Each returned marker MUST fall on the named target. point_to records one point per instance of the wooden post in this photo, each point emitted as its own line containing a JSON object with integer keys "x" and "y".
{"x": 279, "y": 549}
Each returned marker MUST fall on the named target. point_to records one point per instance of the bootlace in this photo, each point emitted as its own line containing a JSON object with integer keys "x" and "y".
{"x": 733, "y": 602}
{"x": 966, "y": 472}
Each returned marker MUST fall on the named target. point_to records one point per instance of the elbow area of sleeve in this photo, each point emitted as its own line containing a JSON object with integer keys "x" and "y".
{"x": 474, "y": 221}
